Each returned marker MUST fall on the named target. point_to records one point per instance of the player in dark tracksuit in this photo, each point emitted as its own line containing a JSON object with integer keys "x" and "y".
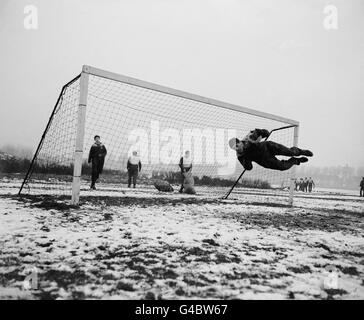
{"x": 362, "y": 187}
{"x": 264, "y": 153}
{"x": 96, "y": 157}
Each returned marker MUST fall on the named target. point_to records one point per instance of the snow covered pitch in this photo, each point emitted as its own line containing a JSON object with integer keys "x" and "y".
{"x": 142, "y": 244}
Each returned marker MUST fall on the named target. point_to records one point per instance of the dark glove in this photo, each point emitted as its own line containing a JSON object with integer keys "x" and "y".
{"x": 265, "y": 133}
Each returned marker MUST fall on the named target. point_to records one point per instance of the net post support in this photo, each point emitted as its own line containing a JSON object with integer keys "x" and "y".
{"x": 80, "y": 134}
{"x": 293, "y": 171}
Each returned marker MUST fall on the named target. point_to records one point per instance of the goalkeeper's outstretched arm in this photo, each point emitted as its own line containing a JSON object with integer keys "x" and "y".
{"x": 256, "y": 135}
{"x": 247, "y": 165}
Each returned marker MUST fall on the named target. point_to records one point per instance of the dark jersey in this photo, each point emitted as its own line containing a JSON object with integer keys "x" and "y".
{"x": 253, "y": 150}
{"x": 97, "y": 152}
{"x": 264, "y": 152}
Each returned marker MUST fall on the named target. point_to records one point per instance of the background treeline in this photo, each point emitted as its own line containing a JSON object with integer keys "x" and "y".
{"x": 11, "y": 164}
{"x": 174, "y": 177}
{"x": 17, "y": 160}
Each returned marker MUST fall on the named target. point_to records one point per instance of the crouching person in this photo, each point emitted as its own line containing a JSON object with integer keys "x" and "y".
{"x": 188, "y": 183}
{"x": 133, "y": 166}
{"x": 185, "y": 164}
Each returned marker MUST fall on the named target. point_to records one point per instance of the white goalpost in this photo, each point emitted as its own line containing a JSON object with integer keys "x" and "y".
{"x": 80, "y": 134}
{"x": 158, "y": 122}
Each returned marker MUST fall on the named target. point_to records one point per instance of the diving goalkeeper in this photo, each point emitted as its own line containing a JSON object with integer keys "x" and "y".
{"x": 264, "y": 153}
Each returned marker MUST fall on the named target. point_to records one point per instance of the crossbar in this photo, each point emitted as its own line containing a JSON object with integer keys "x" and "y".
{"x": 182, "y": 94}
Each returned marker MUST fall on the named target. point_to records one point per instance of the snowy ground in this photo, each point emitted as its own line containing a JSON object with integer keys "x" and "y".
{"x": 141, "y": 244}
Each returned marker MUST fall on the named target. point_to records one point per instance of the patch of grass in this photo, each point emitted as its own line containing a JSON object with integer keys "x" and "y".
{"x": 121, "y": 285}
{"x": 349, "y": 270}
{"x": 66, "y": 278}
{"x": 211, "y": 242}
{"x": 333, "y": 292}
{"x": 300, "y": 269}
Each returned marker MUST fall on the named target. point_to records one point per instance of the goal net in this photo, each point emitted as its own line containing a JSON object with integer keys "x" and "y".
{"x": 160, "y": 124}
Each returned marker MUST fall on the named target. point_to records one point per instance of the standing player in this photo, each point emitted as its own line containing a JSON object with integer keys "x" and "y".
{"x": 133, "y": 166}
{"x": 306, "y": 184}
{"x": 362, "y": 187}
{"x": 185, "y": 164}
{"x": 264, "y": 153}
{"x": 296, "y": 184}
{"x": 311, "y": 184}
{"x": 97, "y": 158}
{"x": 302, "y": 185}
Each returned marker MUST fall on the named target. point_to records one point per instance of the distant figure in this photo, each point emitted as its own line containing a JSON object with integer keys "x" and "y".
{"x": 264, "y": 153}
{"x": 311, "y": 184}
{"x": 97, "y": 158}
{"x": 362, "y": 187}
{"x": 296, "y": 184}
{"x": 133, "y": 166}
{"x": 305, "y": 183}
{"x": 302, "y": 185}
{"x": 185, "y": 164}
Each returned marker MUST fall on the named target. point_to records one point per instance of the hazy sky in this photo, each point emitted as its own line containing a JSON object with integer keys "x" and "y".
{"x": 274, "y": 56}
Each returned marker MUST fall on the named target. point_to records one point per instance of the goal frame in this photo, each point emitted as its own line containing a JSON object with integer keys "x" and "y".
{"x": 82, "y": 109}
{"x": 84, "y": 78}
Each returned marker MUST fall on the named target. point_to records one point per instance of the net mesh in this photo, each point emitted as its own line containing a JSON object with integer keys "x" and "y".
{"x": 160, "y": 127}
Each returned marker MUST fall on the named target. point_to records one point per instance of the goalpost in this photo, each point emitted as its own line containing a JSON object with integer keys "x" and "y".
{"x": 159, "y": 123}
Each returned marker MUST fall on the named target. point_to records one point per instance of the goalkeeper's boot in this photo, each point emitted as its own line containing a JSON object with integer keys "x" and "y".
{"x": 306, "y": 153}
{"x": 301, "y": 160}
{"x": 300, "y": 152}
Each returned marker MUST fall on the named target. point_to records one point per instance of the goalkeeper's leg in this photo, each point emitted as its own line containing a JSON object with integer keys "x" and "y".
{"x": 278, "y": 149}
{"x": 94, "y": 174}
{"x": 276, "y": 164}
